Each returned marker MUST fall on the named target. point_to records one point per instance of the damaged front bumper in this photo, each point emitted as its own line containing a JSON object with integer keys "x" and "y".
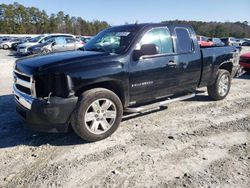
{"x": 41, "y": 115}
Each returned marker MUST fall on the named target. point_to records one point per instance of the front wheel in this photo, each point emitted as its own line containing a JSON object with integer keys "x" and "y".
{"x": 220, "y": 89}
{"x": 98, "y": 114}
{"x": 5, "y": 46}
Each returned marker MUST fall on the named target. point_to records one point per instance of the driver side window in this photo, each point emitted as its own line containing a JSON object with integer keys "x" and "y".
{"x": 159, "y": 37}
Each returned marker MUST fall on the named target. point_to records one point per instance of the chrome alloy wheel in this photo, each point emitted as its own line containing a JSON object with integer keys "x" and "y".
{"x": 100, "y": 116}
{"x": 223, "y": 85}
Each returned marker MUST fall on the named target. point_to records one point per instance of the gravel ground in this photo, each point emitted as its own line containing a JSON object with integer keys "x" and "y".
{"x": 193, "y": 143}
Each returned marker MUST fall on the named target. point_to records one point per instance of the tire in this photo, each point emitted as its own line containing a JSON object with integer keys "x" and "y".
{"x": 91, "y": 124}
{"x": 221, "y": 87}
{"x": 46, "y": 51}
{"x": 5, "y": 47}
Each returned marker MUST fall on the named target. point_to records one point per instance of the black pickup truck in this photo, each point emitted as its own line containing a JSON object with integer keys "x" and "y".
{"x": 122, "y": 69}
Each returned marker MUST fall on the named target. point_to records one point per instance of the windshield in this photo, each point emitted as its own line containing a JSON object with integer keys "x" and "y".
{"x": 113, "y": 40}
{"x": 49, "y": 41}
{"x": 36, "y": 39}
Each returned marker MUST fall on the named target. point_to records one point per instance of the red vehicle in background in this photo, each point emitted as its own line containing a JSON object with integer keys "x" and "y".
{"x": 204, "y": 41}
{"x": 245, "y": 61}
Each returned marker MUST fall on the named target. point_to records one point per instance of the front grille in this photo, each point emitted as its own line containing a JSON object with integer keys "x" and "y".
{"x": 23, "y": 89}
{"x": 22, "y": 76}
{"x": 24, "y": 83}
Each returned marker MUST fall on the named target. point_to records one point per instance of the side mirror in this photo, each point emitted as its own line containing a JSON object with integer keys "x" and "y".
{"x": 146, "y": 49}
{"x": 53, "y": 44}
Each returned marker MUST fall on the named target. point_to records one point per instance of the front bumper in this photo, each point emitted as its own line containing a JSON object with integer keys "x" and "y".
{"x": 245, "y": 65}
{"x": 23, "y": 51}
{"x": 41, "y": 115}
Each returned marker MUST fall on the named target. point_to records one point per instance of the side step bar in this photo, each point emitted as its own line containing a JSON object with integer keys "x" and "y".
{"x": 163, "y": 103}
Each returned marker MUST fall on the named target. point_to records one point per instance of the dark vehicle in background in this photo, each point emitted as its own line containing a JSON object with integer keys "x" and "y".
{"x": 56, "y": 44}
{"x": 246, "y": 43}
{"x": 217, "y": 42}
{"x": 122, "y": 69}
{"x": 15, "y": 44}
{"x": 245, "y": 61}
{"x": 204, "y": 41}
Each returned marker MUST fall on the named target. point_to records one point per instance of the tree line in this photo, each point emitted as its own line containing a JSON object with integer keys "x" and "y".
{"x": 218, "y": 29}
{"x": 18, "y": 19}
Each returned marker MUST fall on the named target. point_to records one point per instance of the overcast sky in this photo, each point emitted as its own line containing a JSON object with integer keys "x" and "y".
{"x": 118, "y": 12}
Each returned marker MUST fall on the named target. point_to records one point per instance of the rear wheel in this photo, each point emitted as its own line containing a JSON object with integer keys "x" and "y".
{"x": 98, "y": 114}
{"x": 220, "y": 89}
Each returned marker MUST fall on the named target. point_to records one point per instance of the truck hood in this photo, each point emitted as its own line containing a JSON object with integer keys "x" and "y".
{"x": 34, "y": 64}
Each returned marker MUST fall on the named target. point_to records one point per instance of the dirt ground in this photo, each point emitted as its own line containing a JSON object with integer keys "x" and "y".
{"x": 193, "y": 143}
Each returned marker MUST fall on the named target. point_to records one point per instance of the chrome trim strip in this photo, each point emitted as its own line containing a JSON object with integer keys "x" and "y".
{"x": 23, "y": 83}
{"x": 30, "y": 85}
{"x": 24, "y": 99}
{"x": 22, "y": 73}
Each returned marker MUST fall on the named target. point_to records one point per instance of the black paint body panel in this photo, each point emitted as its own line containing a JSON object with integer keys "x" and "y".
{"x": 66, "y": 73}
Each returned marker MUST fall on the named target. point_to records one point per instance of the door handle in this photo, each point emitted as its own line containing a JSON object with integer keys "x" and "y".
{"x": 171, "y": 63}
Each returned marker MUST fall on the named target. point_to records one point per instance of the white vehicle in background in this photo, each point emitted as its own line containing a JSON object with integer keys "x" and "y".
{"x": 7, "y": 44}
{"x": 230, "y": 41}
{"x": 22, "y": 49}
{"x": 240, "y": 41}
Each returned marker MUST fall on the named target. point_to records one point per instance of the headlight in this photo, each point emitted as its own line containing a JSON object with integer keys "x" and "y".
{"x": 56, "y": 84}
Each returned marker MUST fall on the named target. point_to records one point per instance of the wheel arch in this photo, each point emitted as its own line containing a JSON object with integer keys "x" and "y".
{"x": 228, "y": 65}
{"x": 111, "y": 85}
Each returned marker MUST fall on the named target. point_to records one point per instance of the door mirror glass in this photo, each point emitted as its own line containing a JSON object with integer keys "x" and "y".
{"x": 146, "y": 49}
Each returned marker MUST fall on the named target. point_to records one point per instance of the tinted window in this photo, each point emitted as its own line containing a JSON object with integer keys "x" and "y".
{"x": 161, "y": 38}
{"x": 60, "y": 40}
{"x": 70, "y": 40}
{"x": 36, "y": 39}
{"x": 224, "y": 40}
{"x": 184, "y": 40}
{"x": 45, "y": 39}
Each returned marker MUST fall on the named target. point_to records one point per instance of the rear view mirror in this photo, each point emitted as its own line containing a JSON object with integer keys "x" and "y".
{"x": 146, "y": 49}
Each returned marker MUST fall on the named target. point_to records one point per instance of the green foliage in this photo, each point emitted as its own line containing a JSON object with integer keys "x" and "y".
{"x": 17, "y": 19}
{"x": 218, "y": 29}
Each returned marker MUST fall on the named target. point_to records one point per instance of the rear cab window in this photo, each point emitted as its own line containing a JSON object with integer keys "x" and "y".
{"x": 184, "y": 41}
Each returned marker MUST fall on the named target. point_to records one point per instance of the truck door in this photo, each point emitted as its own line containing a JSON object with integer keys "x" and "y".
{"x": 157, "y": 75}
{"x": 189, "y": 58}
